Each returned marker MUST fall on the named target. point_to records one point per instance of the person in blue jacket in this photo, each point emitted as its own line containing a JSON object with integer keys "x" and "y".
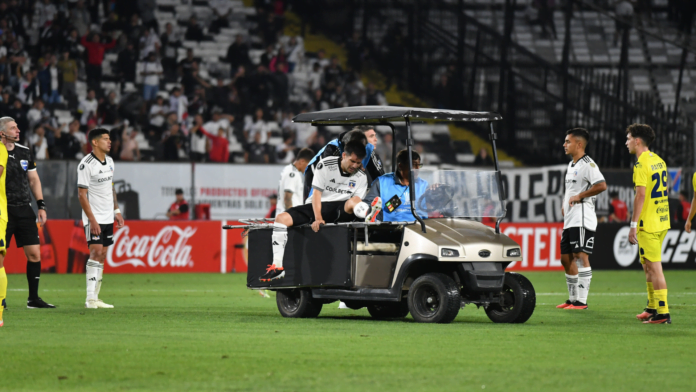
{"x": 392, "y": 188}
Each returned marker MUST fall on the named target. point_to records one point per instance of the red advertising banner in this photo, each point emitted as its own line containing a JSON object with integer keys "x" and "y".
{"x": 540, "y": 244}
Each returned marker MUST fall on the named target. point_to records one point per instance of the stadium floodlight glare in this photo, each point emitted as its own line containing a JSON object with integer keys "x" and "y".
{"x": 514, "y": 252}
{"x": 449, "y": 252}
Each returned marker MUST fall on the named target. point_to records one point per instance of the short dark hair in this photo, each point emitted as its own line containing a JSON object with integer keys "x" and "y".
{"x": 363, "y": 128}
{"x": 581, "y": 133}
{"x": 613, "y": 194}
{"x": 642, "y": 131}
{"x": 96, "y": 133}
{"x": 354, "y": 135}
{"x": 355, "y": 147}
{"x": 306, "y": 153}
{"x": 402, "y": 157}
{"x": 685, "y": 194}
{"x": 179, "y": 191}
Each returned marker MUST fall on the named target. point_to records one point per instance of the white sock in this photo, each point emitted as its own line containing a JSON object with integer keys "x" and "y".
{"x": 100, "y": 273}
{"x": 572, "y": 282}
{"x": 92, "y": 273}
{"x": 585, "y": 277}
{"x": 279, "y": 239}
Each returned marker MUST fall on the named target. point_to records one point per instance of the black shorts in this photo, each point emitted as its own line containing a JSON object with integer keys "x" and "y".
{"x": 331, "y": 212}
{"x": 22, "y": 225}
{"x": 106, "y": 238}
{"x": 576, "y": 240}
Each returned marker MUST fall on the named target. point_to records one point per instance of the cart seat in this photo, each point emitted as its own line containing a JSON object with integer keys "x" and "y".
{"x": 385, "y": 247}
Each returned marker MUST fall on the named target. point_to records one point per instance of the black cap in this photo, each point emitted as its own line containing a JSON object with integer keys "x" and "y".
{"x": 179, "y": 191}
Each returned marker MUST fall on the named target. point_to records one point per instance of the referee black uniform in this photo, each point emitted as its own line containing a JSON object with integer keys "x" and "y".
{"x": 21, "y": 217}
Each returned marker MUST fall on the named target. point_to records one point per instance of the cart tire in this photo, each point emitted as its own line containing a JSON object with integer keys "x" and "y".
{"x": 388, "y": 310}
{"x": 519, "y": 301}
{"x": 297, "y": 303}
{"x": 434, "y": 298}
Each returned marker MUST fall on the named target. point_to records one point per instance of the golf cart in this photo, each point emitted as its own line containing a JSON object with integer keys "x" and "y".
{"x": 430, "y": 267}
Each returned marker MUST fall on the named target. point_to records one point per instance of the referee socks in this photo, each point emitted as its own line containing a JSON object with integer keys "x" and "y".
{"x": 279, "y": 239}
{"x": 33, "y": 276}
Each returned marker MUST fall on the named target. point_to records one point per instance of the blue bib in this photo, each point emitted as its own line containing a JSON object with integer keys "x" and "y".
{"x": 388, "y": 188}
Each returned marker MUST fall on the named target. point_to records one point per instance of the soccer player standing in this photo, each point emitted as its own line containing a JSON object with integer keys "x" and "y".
{"x": 22, "y": 182}
{"x": 583, "y": 182}
{"x": 291, "y": 188}
{"x": 95, "y": 175}
{"x": 650, "y": 219}
{"x": 3, "y": 227}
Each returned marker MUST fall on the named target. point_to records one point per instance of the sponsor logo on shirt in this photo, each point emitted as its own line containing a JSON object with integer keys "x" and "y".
{"x": 105, "y": 179}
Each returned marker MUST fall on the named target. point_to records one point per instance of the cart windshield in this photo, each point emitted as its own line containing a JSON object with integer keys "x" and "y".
{"x": 458, "y": 193}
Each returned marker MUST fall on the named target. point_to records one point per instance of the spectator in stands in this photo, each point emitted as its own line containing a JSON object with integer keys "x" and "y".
{"x": 146, "y": 10}
{"x": 384, "y": 150}
{"x": 238, "y": 54}
{"x": 260, "y": 86}
{"x": 80, "y": 18}
{"x": 112, "y": 24}
{"x": 187, "y": 67}
{"x": 95, "y": 58}
{"x": 151, "y": 72}
{"x": 295, "y": 51}
{"x": 267, "y": 56}
{"x": 71, "y": 44}
{"x": 199, "y": 102}
{"x": 178, "y": 104}
{"x": 242, "y": 84}
{"x": 149, "y": 43}
{"x": 199, "y": 142}
{"x": 70, "y": 144}
{"x": 222, "y": 10}
{"x": 355, "y": 90}
{"x": 158, "y": 111}
{"x": 259, "y": 126}
{"x": 28, "y": 88}
{"x": 194, "y": 32}
{"x": 355, "y": 49}
{"x": 126, "y": 64}
{"x": 219, "y": 151}
{"x": 68, "y": 73}
{"x": 172, "y": 143}
{"x": 51, "y": 93}
{"x": 304, "y": 132}
{"x": 256, "y": 152}
{"x": 624, "y": 14}
{"x": 337, "y": 99}
{"x": 483, "y": 159}
{"x": 88, "y": 107}
{"x": 681, "y": 214}
{"x": 281, "y": 87}
{"x": 18, "y": 111}
{"x": 285, "y": 152}
{"x": 319, "y": 102}
{"x": 37, "y": 114}
{"x": 171, "y": 42}
{"x": 279, "y": 58}
{"x": 321, "y": 59}
{"x": 45, "y": 11}
{"x": 273, "y": 201}
{"x": 179, "y": 210}
{"x": 38, "y": 142}
{"x": 334, "y": 72}
{"x": 130, "y": 150}
{"x": 618, "y": 212}
{"x": 107, "y": 112}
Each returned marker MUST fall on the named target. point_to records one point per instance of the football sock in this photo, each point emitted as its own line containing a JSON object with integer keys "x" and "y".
{"x": 33, "y": 275}
{"x": 584, "y": 279}
{"x": 3, "y": 288}
{"x": 572, "y": 282}
{"x": 279, "y": 238}
{"x": 652, "y": 304}
{"x": 100, "y": 273}
{"x": 661, "y": 299}
{"x": 92, "y": 272}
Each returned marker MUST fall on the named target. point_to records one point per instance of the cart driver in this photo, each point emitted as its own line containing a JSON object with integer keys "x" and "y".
{"x": 392, "y": 191}
{"x": 339, "y": 184}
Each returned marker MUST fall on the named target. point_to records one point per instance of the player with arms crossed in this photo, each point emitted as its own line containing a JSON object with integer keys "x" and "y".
{"x": 339, "y": 184}
{"x": 95, "y": 175}
{"x": 291, "y": 185}
{"x": 650, "y": 219}
{"x": 3, "y": 227}
{"x": 583, "y": 182}
{"x": 22, "y": 182}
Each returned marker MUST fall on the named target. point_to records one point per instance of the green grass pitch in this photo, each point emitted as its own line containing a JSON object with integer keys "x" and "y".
{"x": 208, "y": 332}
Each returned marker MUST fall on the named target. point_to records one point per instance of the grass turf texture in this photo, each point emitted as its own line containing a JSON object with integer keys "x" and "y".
{"x": 208, "y": 332}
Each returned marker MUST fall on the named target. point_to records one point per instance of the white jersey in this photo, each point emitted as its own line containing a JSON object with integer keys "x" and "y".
{"x": 334, "y": 184}
{"x": 291, "y": 180}
{"x": 581, "y": 176}
{"x": 97, "y": 177}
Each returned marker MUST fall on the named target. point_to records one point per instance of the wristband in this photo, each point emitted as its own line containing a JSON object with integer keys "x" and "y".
{"x": 117, "y": 211}
{"x": 634, "y": 225}
{"x": 41, "y": 204}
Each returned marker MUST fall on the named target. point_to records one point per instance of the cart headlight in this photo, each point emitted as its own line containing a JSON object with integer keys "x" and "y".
{"x": 449, "y": 252}
{"x": 514, "y": 252}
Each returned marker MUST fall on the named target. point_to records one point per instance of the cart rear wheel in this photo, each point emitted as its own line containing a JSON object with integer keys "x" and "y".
{"x": 519, "y": 301}
{"x": 434, "y": 298}
{"x": 297, "y": 303}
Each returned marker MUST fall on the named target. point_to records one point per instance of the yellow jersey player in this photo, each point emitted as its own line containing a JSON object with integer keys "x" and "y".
{"x": 650, "y": 219}
{"x": 692, "y": 211}
{"x": 3, "y": 228}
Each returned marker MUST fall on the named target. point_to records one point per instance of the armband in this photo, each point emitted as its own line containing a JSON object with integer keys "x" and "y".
{"x": 634, "y": 225}
{"x": 41, "y": 204}
{"x": 117, "y": 211}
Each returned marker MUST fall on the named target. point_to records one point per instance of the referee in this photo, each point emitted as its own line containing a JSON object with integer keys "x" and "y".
{"x": 22, "y": 181}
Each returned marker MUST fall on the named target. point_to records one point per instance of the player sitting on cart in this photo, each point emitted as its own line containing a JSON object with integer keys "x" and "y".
{"x": 389, "y": 199}
{"x": 339, "y": 184}
{"x": 372, "y": 163}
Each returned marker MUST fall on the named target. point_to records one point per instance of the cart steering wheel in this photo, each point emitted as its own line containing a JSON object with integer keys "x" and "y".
{"x": 436, "y": 198}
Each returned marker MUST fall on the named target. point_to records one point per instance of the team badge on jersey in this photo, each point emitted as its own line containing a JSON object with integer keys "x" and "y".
{"x": 351, "y": 184}
{"x": 25, "y": 164}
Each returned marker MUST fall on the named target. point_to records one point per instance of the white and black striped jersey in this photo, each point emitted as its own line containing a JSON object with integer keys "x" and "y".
{"x": 581, "y": 176}
{"x": 334, "y": 184}
{"x": 97, "y": 177}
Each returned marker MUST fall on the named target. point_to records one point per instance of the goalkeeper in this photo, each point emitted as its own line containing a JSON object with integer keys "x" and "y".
{"x": 389, "y": 199}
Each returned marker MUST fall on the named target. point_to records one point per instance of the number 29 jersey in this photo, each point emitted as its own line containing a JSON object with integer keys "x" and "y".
{"x": 651, "y": 172}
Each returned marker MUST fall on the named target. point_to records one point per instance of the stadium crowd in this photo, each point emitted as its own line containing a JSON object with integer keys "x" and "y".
{"x": 159, "y": 100}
